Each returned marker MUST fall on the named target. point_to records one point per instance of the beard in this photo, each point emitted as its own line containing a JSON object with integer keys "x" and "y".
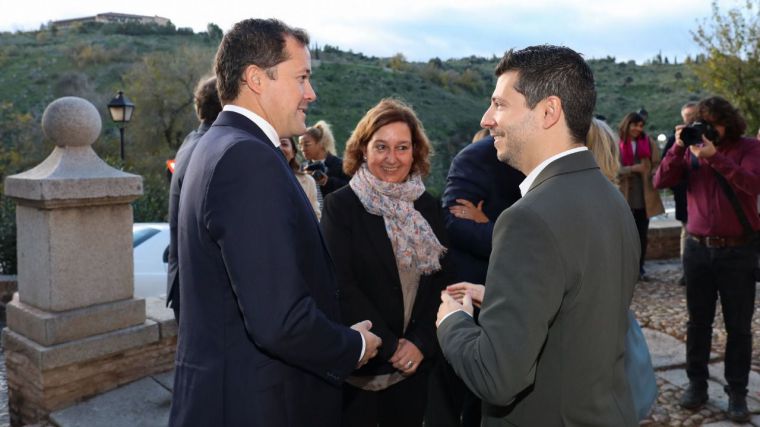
{"x": 510, "y": 149}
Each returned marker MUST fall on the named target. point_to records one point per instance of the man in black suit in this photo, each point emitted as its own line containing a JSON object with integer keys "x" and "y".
{"x": 207, "y": 108}
{"x": 476, "y": 178}
{"x": 259, "y": 338}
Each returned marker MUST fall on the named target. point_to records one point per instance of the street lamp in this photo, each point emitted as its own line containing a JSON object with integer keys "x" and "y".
{"x": 121, "y": 109}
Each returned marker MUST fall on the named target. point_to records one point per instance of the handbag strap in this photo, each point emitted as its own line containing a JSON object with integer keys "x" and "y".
{"x": 735, "y": 203}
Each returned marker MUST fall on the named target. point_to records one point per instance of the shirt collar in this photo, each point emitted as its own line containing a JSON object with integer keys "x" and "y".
{"x": 258, "y": 120}
{"x": 528, "y": 181}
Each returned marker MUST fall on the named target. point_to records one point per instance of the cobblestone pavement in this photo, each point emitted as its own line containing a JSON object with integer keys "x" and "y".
{"x": 660, "y": 304}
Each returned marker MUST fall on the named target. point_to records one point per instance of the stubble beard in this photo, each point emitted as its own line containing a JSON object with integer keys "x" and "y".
{"x": 511, "y": 151}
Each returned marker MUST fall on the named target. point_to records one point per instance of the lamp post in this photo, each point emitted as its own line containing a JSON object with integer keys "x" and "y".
{"x": 121, "y": 109}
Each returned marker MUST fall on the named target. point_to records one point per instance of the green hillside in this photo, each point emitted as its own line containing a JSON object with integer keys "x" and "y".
{"x": 158, "y": 72}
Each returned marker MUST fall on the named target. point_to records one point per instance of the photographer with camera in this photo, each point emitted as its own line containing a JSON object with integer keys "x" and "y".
{"x": 722, "y": 169}
{"x": 318, "y": 147}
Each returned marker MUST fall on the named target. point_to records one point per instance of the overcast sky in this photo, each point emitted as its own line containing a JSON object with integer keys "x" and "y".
{"x": 423, "y": 29}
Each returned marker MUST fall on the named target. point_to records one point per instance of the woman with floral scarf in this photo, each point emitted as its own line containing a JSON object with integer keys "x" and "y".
{"x": 639, "y": 158}
{"x": 386, "y": 236}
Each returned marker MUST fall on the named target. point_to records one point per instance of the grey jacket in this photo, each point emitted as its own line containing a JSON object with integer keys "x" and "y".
{"x": 548, "y": 349}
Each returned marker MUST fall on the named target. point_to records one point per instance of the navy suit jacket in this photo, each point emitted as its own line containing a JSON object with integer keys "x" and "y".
{"x": 260, "y": 343}
{"x": 180, "y": 166}
{"x": 476, "y": 174}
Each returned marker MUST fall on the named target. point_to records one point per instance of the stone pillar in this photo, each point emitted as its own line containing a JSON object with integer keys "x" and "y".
{"x": 74, "y": 328}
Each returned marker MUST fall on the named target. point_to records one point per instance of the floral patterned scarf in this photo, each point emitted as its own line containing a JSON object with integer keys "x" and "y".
{"x": 414, "y": 243}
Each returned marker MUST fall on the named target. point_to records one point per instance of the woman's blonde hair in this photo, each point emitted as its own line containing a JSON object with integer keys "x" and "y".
{"x": 323, "y": 135}
{"x": 602, "y": 142}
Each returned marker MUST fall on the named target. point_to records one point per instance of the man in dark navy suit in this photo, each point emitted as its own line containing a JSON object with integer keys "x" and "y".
{"x": 478, "y": 188}
{"x": 260, "y": 342}
{"x": 207, "y": 108}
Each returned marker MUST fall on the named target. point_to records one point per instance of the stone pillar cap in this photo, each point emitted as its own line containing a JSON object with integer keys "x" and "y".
{"x": 73, "y": 174}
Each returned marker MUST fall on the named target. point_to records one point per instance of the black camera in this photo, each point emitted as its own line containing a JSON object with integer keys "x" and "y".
{"x": 692, "y": 133}
{"x": 317, "y": 170}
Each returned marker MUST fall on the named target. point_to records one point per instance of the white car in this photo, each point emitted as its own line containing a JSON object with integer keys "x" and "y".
{"x": 150, "y": 243}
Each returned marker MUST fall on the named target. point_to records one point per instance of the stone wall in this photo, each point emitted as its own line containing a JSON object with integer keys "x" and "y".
{"x": 664, "y": 240}
{"x": 33, "y": 393}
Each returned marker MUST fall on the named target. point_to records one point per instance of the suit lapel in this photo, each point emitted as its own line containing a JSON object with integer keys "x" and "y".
{"x": 239, "y": 121}
{"x": 568, "y": 164}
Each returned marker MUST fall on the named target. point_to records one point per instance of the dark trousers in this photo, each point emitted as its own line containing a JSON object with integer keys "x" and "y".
{"x": 402, "y": 404}
{"x": 728, "y": 273}
{"x": 642, "y": 226}
{"x": 450, "y": 402}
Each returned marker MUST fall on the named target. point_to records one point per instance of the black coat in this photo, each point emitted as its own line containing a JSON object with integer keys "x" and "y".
{"x": 336, "y": 178}
{"x": 260, "y": 341}
{"x": 368, "y": 277}
{"x": 679, "y": 190}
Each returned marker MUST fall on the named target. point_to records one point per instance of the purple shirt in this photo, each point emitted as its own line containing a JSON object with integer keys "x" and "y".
{"x": 710, "y": 211}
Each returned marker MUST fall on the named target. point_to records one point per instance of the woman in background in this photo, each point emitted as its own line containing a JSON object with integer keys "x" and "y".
{"x": 602, "y": 143}
{"x": 386, "y": 236}
{"x": 639, "y": 158}
{"x": 290, "y": 152}
{"x": 318, "y": 147}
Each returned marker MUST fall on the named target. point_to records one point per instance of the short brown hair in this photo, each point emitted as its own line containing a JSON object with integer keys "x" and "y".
{"x": 388, "y": 111}
{"x": 259, "y": 42}
{"x": 559, "y": 71}
{"x": 207, "y": 104}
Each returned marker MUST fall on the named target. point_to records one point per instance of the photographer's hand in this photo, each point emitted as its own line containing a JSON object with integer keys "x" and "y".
{"x": 704, "y": 150}
{"x": 679, "y": 142}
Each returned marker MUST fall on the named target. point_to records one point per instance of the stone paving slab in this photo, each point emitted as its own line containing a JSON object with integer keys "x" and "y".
{"x": 166, "y": 380}
{"x": 723, "y": 424}
{"x": 665, "y": 350}
{"x": 716, "y": 372}
{"x": 141, "y": 403}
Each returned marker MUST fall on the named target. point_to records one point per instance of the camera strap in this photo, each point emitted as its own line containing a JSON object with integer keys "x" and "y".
{"x": 735, "y": 203}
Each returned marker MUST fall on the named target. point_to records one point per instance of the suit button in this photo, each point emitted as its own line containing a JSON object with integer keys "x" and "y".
{"x": 337, "y": 294}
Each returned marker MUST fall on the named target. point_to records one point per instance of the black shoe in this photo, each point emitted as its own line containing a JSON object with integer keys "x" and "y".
{"x": 694, "y": 397}
{"x": 737, "y": 408}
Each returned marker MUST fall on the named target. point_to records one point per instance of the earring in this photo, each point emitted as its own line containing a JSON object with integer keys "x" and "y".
{"x": 364, "y": 158}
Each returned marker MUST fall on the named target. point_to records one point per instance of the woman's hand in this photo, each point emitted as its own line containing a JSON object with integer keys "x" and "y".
{"x": 407, "y": 357}
{"x": 467, "y": 210}
{"x": 458, "y": 290}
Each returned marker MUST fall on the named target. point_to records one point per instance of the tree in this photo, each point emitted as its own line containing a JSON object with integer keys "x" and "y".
{"x": 161, "y": 86}
{"x": 730, "y": 65}
{"x": 214, "y": 32}
{"x": 397, "y": 62}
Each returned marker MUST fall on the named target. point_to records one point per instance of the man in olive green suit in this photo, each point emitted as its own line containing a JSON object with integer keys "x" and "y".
{"x": 547, "y": 349}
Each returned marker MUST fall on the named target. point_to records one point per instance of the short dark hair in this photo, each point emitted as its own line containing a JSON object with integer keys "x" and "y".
{"x": 259, "y": 42}
{"x": 207, "y": 104}
{"x": 717, "y": 110}
{"x": 387, "y": 111}
{"x": 559, "y": 71}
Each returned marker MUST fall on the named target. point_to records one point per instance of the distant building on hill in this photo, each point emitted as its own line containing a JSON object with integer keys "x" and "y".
{"x": 112, "y": 18}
